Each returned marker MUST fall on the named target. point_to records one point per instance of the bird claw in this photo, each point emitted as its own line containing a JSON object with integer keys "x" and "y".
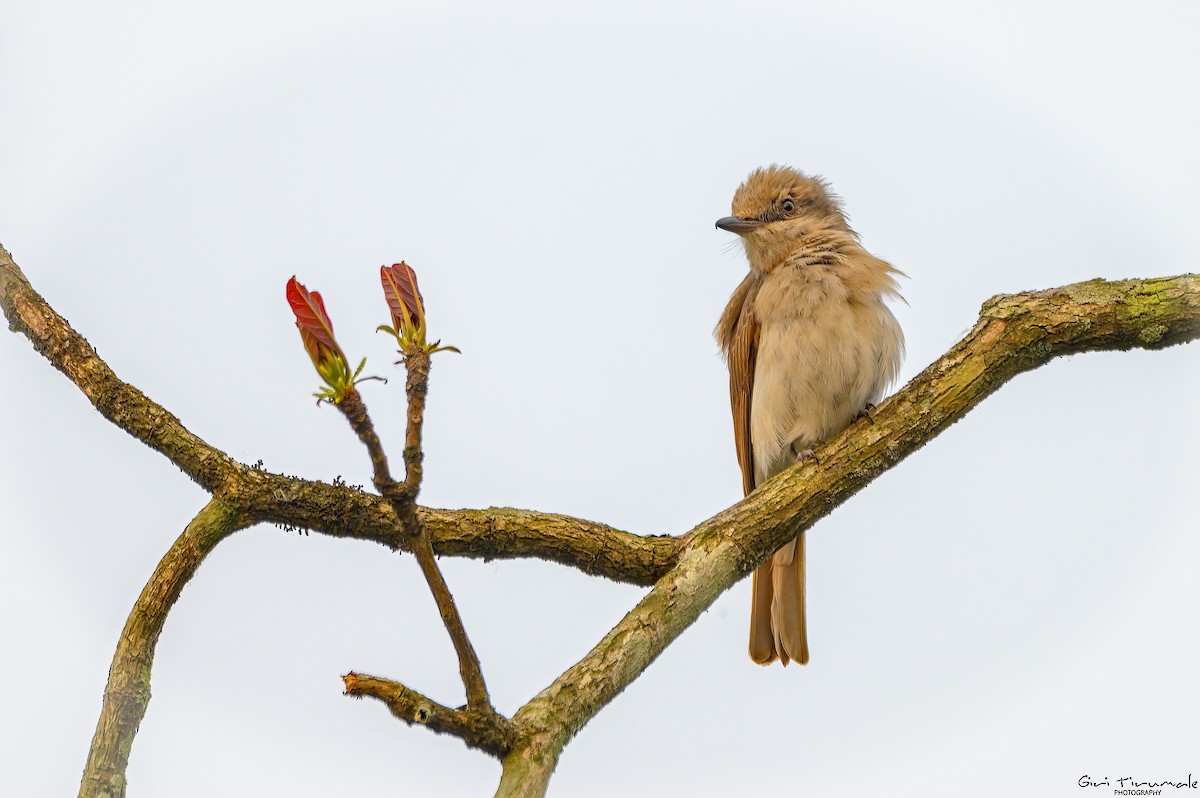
{"x": 867, "y": 412}
{"x": 809, "y": 453}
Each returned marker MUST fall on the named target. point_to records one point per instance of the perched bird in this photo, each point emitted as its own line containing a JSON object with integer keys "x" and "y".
{"x": 810, "y": 346}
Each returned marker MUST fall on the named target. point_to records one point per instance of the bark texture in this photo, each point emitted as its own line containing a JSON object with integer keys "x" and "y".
{"x": 128, "y": 691}
{"x": 337, "y": 510}
{"x": 1014, "y": 334}
{"x": 481, "y": 728}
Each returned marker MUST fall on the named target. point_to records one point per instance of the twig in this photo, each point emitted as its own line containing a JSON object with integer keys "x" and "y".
{"x": 495, "y": 533}
{"x": 484, "y": 729}
{"x": 402, "y": 497}
{"x": 416, "y": 386}
{"x": 355, "y": 411}
{"x": 468, "y": 660}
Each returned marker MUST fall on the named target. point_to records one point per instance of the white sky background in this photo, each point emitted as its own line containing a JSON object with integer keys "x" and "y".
{"x": 1009, "y": 609}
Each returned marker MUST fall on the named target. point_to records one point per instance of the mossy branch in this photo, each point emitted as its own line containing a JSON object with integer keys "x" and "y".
{"x": 337, "y": 510}
{"x": 1014, "y": 334}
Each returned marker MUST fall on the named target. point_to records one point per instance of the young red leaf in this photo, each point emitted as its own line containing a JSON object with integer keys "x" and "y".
{"x": 310, "y": 313}
{"x": 316, "y": 330}
{"x": 403, "y": 297}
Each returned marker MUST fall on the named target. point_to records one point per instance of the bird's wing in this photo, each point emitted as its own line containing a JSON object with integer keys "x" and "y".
{"x": 738, "y": 335}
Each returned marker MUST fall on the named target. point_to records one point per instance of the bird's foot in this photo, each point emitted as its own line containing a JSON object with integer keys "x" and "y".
{"x": 808, "y": 454}
{"x": 867, "y": 412}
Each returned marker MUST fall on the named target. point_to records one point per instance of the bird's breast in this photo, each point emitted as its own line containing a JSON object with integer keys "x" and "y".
{"x": 823, "y": 354}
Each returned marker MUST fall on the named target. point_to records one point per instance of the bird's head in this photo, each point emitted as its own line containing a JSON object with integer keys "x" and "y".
{"x": 776, "y": 208}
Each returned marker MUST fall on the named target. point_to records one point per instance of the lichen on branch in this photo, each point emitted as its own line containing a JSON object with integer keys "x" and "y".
{"x": 1014, "y": 333}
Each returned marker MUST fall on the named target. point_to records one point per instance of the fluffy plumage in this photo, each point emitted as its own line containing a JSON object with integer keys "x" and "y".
{"x": 809, "y": 343}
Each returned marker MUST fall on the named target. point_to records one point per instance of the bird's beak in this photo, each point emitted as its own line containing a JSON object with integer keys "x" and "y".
{"x": 736, "y": 224}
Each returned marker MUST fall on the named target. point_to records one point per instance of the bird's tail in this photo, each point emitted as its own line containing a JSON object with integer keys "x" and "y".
{"x": 777, "y": 628}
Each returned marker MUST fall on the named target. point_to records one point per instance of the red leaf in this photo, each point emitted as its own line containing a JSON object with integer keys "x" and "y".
{"x": 316, "y": 330}
{"x": 403, "y": 297}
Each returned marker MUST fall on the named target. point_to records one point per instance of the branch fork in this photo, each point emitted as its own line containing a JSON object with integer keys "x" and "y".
{"x": 1013, "y": 334}
{"x": 403, "y": 498}
{"x": 481, "y": 728}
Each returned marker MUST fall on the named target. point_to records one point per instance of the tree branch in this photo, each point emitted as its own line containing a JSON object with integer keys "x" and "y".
{"x": 128, "y": 691}
{"x": 468, "y": 661}
{"x": 416, "y": 388}
{"x": 528, "y": 767}
{"x": 355, "y": 411}
{"x": 120, "y": 403}
{"x": 1014, "y": 334}
{"x": 337, "y": 510}
{"x": 594, "y": 548}
{"x": 481, "y": 728}
{"x": 495, "y": 533}
{"x": 403, "y": 499}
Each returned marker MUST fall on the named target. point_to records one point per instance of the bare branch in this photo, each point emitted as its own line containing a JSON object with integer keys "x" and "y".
{"x": 128, "y": 691}
{"x": 484, "y": 728}
{"x": 497, "y": 533}
{"x": 594, "y": 548}
{"x": 468, "y": 661}
{"x": 355, "y": 411}
{"x": 1014, "y": 334}
{"x": 528, "y": 766}
{"x": 120, "y": 403}
{"x": 416, "y": 387}
{"x": 403, "y": 499}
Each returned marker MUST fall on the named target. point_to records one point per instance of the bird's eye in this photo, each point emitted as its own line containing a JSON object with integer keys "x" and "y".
{"x": 788, "y": 206}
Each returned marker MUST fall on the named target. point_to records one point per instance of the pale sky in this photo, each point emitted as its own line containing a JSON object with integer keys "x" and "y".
{"x": 1010, "y": 609}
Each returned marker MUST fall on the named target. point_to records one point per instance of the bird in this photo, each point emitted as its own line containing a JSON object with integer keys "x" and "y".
{"x": 811, "y": 346}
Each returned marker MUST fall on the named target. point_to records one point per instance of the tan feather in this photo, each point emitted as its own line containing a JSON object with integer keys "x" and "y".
{"x": 809, "y": 343}
{"x": 738, "y": 333}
